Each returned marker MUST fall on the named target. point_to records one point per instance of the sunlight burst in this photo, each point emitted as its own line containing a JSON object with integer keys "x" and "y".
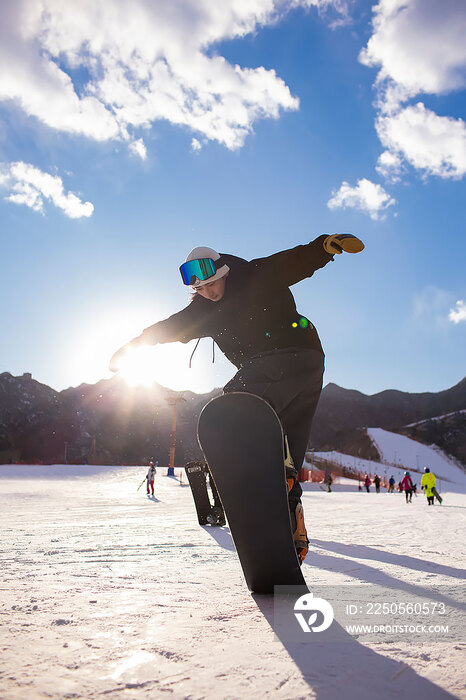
{"x": 166, "y": 364}
{"x": 138, "y": 366}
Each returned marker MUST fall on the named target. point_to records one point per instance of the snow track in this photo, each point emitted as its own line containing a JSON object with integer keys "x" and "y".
{"x": 106, "y": 593}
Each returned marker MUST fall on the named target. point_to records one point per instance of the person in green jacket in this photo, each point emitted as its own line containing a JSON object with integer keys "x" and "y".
{"x": 428, "y": 482}
{"x": 247, "y": 308}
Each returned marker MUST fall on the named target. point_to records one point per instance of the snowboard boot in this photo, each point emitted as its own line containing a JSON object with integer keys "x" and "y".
{"x": 298, "y": 527}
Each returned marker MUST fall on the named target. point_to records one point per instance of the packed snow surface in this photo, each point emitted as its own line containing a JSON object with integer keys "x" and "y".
{"x": 106, "y": 593}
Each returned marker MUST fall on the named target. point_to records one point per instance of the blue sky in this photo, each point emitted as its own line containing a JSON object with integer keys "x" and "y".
{"x": 131, "y": 132}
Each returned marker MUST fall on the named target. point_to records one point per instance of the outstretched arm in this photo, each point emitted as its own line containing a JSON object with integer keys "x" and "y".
{"x": 183, "y": 326}
{"x": 291, "y": 266}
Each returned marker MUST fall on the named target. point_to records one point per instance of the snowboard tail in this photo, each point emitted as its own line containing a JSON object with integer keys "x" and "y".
{"x": 242, "y": 440}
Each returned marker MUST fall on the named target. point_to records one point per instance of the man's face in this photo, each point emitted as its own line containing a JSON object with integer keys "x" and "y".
{"x": 213, "y": 291}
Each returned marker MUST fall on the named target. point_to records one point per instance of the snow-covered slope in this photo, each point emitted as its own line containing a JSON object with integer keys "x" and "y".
{"x": 436, "y": 419}
{"x": 399, "y": 449}
{"x": 399, "y": 454}
{"x": 108, "y": 594}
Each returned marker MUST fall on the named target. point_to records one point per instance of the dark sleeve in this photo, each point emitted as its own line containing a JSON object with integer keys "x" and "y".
{"x": 187, "y": 324}
{"x": 291, "y": 266}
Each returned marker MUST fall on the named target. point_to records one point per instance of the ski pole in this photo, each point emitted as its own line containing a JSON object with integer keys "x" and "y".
{"x": 141, "y": 483}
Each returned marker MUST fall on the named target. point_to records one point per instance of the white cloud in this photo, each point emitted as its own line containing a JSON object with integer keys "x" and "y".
{"x": 138, "y": 148}
{"x": 30, "y": 186}
{"x": 458, "y": 314}
{"x": 390, "y": 166}
{"x": 196, "y": 146}
{"x": 419, "y": 48}
{"x": 367, "y": 197}
{"x": 436, "y": 145}
{"x": 419, "y": 45}
{"x": 104, "y": 69}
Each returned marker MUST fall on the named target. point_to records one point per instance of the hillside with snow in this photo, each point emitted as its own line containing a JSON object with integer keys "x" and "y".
{"x": 414, "y": 456}
{"x": 398, "y": 454}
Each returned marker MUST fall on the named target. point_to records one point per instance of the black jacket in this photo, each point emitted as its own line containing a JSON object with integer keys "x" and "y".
{"x": 257, "y": 313}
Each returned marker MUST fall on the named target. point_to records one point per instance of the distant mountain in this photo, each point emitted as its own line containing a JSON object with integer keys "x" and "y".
{"x": 343, "y": 414}
{"x": 24, "y": 404}
{"x": 110, "y": 422}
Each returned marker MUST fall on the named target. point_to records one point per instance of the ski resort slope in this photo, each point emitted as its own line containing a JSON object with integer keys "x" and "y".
{"x": 413, "y": 455}
{"x": 108, "y": 593}
{"x": 399, "y": 454}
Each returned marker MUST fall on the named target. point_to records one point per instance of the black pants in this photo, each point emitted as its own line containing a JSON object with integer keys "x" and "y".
{"x": 290, "y": 380}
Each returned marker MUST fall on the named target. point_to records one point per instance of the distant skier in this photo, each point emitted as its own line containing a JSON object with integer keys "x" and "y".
{"x": 249, "y": 311}
{"x": 367, "y": 482}
{"x": 377, "y": 483}
{"x": 329, "y": 482}
{"x": 391, "y": 485}
{"x": 428, "y": 482}
{"x": 151, "y": 472}
{"x": 408, "y": 486}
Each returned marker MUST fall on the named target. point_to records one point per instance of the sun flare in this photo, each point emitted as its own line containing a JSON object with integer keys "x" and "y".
{"x": 166, "y": 364}
{"x": 138, "y": 366}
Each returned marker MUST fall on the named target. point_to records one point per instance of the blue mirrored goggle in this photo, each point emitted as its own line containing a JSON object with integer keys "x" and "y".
{"x": 200, "y": 269}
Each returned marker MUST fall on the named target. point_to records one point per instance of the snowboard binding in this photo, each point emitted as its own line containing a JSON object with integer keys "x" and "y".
{"x": 208, "y": 513}
{"x": 216, "y": 517}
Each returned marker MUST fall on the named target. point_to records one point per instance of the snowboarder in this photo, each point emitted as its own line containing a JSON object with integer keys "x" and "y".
{"x": 248, "y": 309}
{"x": 151, "y": 472}
{"x": 367, "y": 482}
{"x": 408, "y": 486}
{"x": 377, "y": 483}
{"x": 428, "y": 482}
{"x": 391, "y": 485}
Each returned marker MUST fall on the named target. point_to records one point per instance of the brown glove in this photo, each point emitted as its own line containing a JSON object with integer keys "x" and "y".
{"x": 336, "y": 243}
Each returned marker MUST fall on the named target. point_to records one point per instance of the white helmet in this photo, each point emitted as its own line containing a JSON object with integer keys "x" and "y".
{"x": 202, "y": 253}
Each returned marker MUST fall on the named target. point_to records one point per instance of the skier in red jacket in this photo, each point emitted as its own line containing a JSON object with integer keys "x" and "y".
{"x": 408, "y": 486}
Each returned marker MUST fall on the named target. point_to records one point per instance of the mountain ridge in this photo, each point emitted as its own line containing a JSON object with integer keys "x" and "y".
{"x": 111, "y": 422}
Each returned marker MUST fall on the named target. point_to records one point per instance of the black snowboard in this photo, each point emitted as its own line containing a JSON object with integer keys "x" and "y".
{"x": 242, "y": 440}
{"x": 207, "y": 512}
